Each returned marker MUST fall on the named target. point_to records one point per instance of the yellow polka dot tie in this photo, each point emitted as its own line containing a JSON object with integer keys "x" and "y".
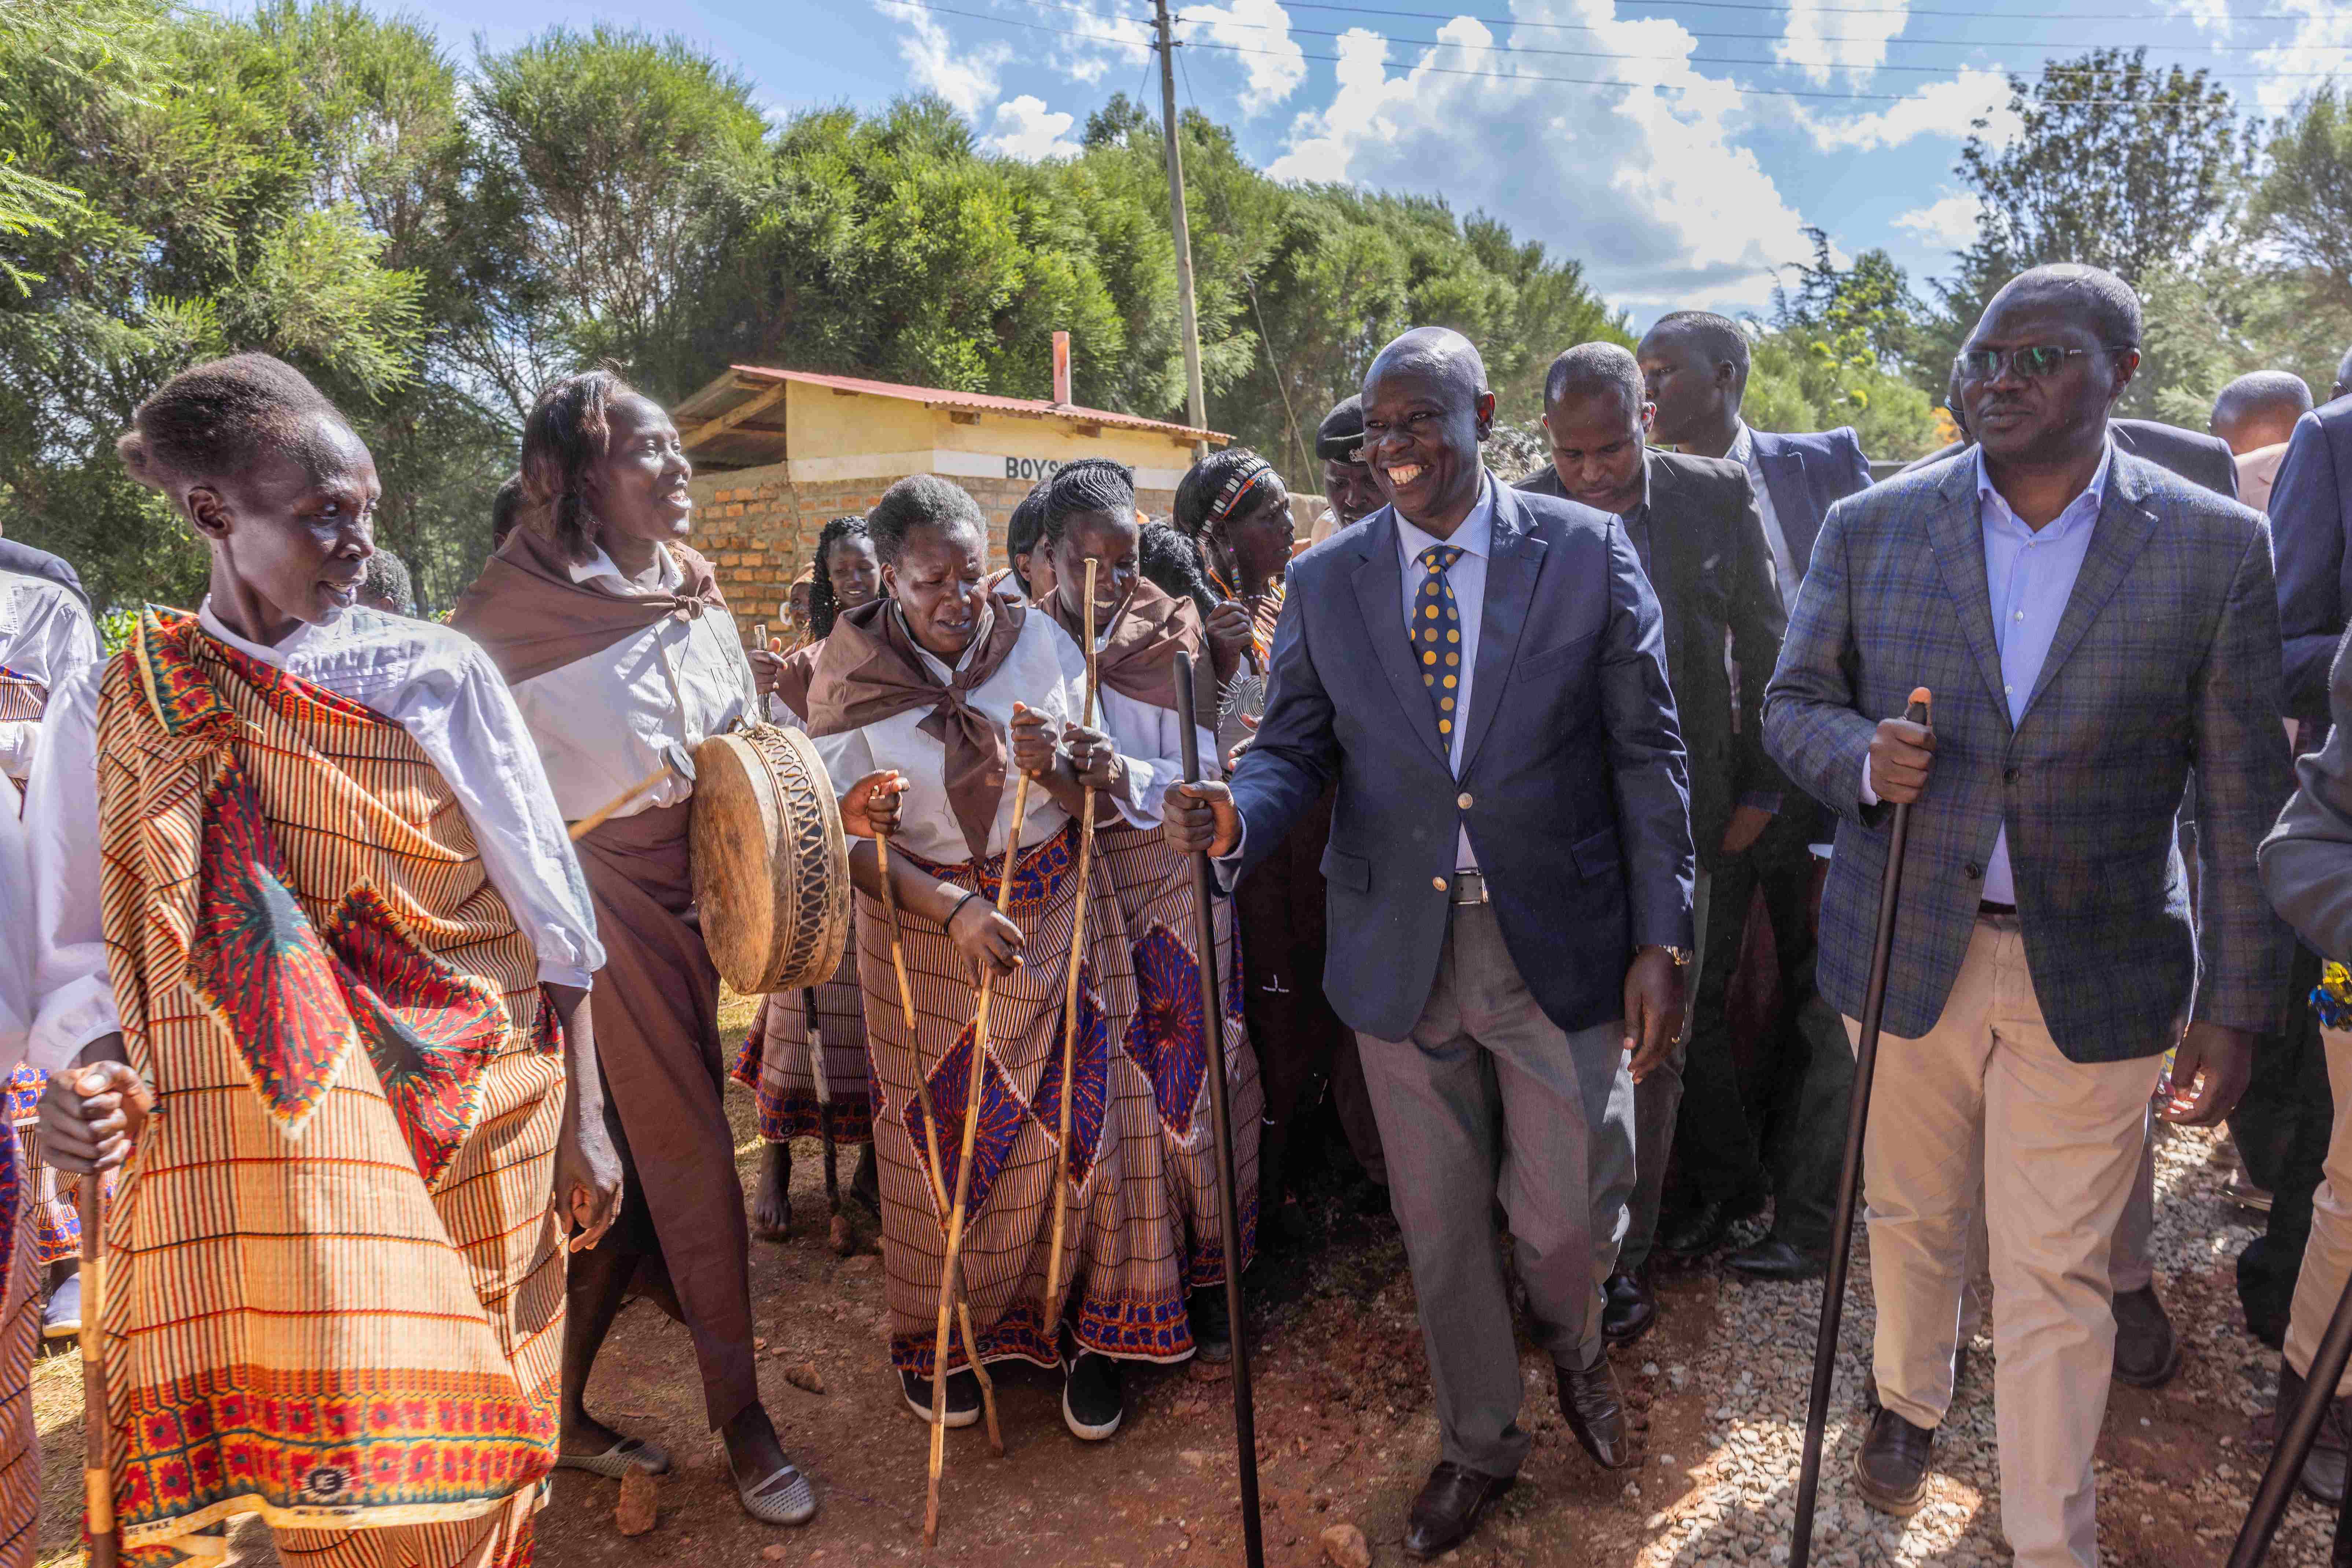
{"x": 1437, "y": 638}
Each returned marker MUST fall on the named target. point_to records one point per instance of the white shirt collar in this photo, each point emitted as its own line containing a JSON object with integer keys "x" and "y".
{"x": 1475, "y": 536}
{"x": 600, "y": 564}
{"x": 932, "y": 662}
{"x": 1742, "y": 449}
{"x": 2095, "y": 492}
{"x": 277, "y": 656}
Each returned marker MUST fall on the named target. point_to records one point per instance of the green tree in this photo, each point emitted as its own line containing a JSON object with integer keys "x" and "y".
{"x": 2303, "y": 207}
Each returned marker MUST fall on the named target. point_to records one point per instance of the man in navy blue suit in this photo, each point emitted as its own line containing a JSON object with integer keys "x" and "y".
{"x": 1482, "y": 673}
{"x": 1695, "y": 364}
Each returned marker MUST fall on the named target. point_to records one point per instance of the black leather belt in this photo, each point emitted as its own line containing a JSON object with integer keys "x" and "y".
{"x": 1987, "y": 906}
{"x": 1469, "y": 887}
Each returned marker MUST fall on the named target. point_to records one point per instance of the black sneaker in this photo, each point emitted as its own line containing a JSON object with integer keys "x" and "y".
{"x": 963, "y": 1396}
{"x": 1093, "y": 1403}
{"x": 1212, "y": 1326}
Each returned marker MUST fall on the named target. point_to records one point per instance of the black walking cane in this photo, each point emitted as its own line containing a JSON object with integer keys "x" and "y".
{"x": 837, "y": 1234}
{"x": 2295, "y": 1437}
{"x": 1212, "y": 1009}
{"x": 1866, "y": 1063}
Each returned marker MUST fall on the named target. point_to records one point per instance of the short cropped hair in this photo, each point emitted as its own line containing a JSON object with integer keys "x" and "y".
{"x": 388, "y": 585}
{"x": 2111, "y": 304}
{"x": 1720, "y": 337}
{"x": 1596, "y": 367}
{"x": 921, "y": 501}
{"x": 216, "y": 418}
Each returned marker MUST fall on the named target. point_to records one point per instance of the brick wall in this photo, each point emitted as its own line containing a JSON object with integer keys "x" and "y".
{"x": 757, "y": 528}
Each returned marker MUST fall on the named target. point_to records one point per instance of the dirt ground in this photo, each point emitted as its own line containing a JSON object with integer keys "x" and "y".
{"x": 1345, "y": 1434}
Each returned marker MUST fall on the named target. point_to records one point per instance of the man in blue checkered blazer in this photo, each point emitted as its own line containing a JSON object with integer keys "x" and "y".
{"x": 2093, "y": 629}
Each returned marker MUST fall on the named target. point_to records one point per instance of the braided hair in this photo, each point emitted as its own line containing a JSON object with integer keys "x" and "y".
{"x": 1213, "y": 490}
{"x": 1088, "y": 485}
{"x": 822, "y": 603}
{"x": 569, "y": 429}
{"x": 1170, "y": 562}
{"x": 1024, "y": 530}
{"x": 218, "y": 417}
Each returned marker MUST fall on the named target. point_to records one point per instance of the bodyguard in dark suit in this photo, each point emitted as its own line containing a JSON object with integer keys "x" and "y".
{"x": 1482, "y": 674}
{"x": 1693, "y": 524}
{"x": 2311, "y": 520}
{"x": 1696, "y": 367}
{"x": 2091, "y": 627}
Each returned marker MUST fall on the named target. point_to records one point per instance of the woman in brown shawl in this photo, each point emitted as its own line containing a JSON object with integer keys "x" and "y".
{"x": 952, "y": 686}
{"x": 1090, "y": 515}
{"x": 620, "y": 653}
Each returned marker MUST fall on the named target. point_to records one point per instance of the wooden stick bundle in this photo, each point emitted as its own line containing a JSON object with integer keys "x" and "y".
{"x": 972, "y": 1089}
{"x": 1064, "y": 1180}
{"x": 98, "y": 1473}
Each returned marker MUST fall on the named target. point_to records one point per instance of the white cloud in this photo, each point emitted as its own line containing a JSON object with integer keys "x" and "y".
{"x": 1853, "y": 40}
{"x": 1945, "y": 109}
{"x": 2324, "y": 30}
{"x": 966, "y": 78}
{"x": 1026, "y": 128}
{"x": 1113, "y": 40}
{"x": 1645, "y": 186}
{"x": 1950, "y": 221}
{"x": 1261, "y": 29}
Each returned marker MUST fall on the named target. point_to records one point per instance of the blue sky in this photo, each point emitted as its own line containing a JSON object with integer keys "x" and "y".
{"x": 1687, "y": 182}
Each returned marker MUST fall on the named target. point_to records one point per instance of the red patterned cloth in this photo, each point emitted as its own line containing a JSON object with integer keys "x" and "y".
{"x": 338, "y": 1287}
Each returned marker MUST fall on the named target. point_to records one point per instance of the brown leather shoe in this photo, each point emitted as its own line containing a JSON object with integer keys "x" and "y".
{"x": 2147, "y": 1352}
{"x": 1891, "y": 1469}
{"x": 1596, "y": 1413}
{"x": 1449, "y": 1508}
{"x": 2325, "y": 1468}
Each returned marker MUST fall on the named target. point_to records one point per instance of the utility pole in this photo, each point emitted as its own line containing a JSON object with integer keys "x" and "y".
{"x": 1195, "y": 406}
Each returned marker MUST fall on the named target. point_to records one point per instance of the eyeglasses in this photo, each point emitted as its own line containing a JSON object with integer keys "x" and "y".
{"x": 2031, "y": 363}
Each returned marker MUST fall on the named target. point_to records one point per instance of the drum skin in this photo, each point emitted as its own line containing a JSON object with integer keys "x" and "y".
{"x": 770, "y": 864}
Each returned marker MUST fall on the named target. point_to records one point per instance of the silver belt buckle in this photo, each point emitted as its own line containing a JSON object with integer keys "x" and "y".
{"x": 1469, "y": 887}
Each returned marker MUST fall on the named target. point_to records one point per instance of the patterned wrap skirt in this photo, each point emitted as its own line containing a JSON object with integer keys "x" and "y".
{"x": 1168, "y": 1041}
{"x": 1123, "y": 1267}
{"x": 773, "y": 1063}
{"x": 20, "y": 1335}
{"x": 49, "y": 1208}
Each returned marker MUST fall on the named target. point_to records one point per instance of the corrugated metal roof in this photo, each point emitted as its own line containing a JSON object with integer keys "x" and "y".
{"x": 979, "y": 402}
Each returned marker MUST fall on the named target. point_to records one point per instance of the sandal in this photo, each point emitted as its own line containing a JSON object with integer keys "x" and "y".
{"x": 784, "y": 1497}
{"x": 628, "y": 1454}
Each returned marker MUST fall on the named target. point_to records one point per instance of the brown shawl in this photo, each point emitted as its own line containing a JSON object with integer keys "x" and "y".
{"x": 1139, "y": 658}
{"x": 868, "y": 670}
{"x": 799, "y": 673}
{"x": 525, "y": 610}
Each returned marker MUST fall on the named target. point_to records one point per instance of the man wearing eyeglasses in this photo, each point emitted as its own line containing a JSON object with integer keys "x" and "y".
{"x": 2091, "y": 626}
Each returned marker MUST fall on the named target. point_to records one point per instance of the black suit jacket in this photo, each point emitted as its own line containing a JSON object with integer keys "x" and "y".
{"x": 1571, "y": 785}
{"x": 1711, "y": 572}
{"x": 2201, "y": 459}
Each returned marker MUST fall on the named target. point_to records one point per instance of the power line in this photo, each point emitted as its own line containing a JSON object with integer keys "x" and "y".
{"x": 1753, "y": 61}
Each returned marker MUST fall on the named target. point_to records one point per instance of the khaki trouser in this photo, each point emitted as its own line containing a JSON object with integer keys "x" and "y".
{"x": 2328, "y": 1257}
{"x": 1987, "y": 1098}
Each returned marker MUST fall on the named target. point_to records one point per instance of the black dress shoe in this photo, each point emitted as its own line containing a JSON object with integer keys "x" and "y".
{"x": 1596, "y": 1413}
{"x": 2147, "y": 1352}
{"x": 1702, "y": 1229}
{"x": 1212, "y": 1326}
{"x": 1773, "y": 1258}
{"x": 1891, "y": 1469}
{"x": 1628, "y": 1309}
{"x": 1449, "y": 1508}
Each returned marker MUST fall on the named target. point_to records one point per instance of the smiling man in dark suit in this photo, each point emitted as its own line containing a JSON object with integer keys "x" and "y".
{"x": 1693, "y": 524}
{"x": 1695, "y": 366}
{"x": 1482, "y": 674}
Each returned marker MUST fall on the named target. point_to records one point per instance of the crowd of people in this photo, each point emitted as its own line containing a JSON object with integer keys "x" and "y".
{"x": 358, "y": 955}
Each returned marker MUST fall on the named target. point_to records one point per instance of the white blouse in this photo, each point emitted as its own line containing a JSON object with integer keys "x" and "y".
{"x": 1045, "y": 671}
{"x": 16, "y": 935}
{"x": 44, "y": 636}
{"x": 435, "y": 683}
{"x": 602, "y": 722}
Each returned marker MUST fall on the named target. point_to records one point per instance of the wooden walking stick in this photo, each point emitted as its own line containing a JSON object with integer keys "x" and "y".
{"x": 931, "y": 1131}
{"x": 1865, "y": 1063}
{"x": 1070, "y": 999}
{"x": 2298, "y": 1430}
{"x": 98, "y": 1473}
{"x": 972, "y": 1087}
{"x": 1212, "y": 1010}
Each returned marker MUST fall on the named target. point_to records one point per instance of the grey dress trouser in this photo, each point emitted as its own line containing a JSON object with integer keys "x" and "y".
{"x": 1487, "y": 1102}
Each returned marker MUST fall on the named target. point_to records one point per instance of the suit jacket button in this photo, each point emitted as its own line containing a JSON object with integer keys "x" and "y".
{"x": 1973, "y": 870}
{"x": 2009, "y": 774}
{"x": 1438, "y": 883}
{"x": 1463, "y": 801}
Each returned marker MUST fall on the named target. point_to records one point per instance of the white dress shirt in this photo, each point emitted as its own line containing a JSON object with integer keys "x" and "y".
{"x": 1474, "y": 538}
{"x": 15, "y": 941}
{"x": 1045, "y": 672}
{"x": 44, "y": 636}
{"x": 435, "y": 683}
{"x": 602, "y": 722}
{"x": 1785, "y": 576}
{"x": 2029, "y": 576}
